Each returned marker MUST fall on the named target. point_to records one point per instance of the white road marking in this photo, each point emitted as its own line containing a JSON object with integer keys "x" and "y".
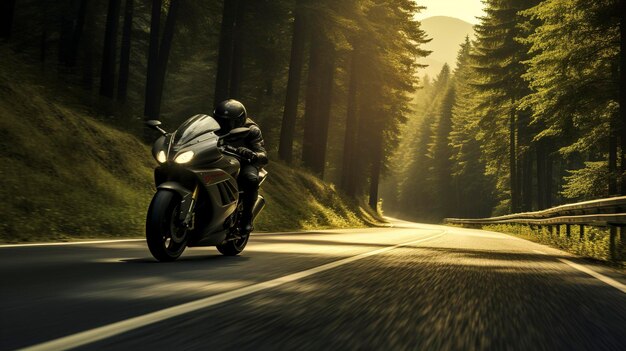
{"x": 73, "y": 243}
{"x": 107, "y": 331}
{"x": 601, "y": 277}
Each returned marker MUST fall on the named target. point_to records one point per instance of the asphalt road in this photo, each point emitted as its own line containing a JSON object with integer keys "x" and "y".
{"x": 411, "y": 287}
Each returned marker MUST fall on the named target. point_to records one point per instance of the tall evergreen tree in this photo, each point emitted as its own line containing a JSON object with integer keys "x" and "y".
{"x": 107, "y": 72}
{"x": 573, "y": 72}
{"x": 6, "y": 19}
{"x": 288, "y": 124}
{"x": 225, "y": 55}
{"x": 469, "y": 179}
{"x": 122, "y": 86}
{"x": 498, "y": 57}
{"x": 161, "y": 62}
{"x": 441, "y": 154}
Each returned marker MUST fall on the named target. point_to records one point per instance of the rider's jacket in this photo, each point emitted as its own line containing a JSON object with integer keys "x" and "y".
{"x": 254, "y": 141}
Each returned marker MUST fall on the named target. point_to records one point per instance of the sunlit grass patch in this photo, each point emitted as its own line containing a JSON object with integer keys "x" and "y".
{"x": 594, "y": 242}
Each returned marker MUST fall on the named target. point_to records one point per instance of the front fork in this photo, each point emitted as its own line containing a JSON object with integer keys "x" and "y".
{"x": 187, "y": 206}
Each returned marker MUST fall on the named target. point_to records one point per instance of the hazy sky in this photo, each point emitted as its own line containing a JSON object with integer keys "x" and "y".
{"x": 466, "y": 10}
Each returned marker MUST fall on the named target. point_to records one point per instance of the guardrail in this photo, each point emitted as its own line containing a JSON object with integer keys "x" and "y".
{"x": 609, "y": 212}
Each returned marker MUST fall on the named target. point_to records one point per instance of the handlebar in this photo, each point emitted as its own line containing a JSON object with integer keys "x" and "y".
{"x": 232, "y": 151}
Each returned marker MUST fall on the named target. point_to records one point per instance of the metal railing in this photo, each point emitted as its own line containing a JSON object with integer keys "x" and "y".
{"x": 609, "y": 212}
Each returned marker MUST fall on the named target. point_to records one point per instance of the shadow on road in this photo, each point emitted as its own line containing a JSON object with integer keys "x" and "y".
{"x": 189, "y": 259}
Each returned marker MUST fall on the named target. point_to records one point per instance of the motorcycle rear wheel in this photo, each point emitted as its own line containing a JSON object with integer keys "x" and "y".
{"x": 233, "y": 247}
{"x": 166, "y": 237}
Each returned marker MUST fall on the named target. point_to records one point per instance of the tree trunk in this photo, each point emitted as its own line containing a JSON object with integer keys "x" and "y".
{"x": 622, "y": 96}
{"x": 107, "y": 75}
{"x": 312, "y": 110}
{"x": 122, "y": 86}
{"x": 71, "y": 33}
{"x": 7, "y": 9}
{"x": 325, "y": 107}
{"x": 43, "y": 40}
{"x": 65, "y": 32}
{"x": 375, "y": 171}
{"x": 613, "y": 158}
{"x": 349, "y": 144}
{"x": 153, "y": 56}
{"x": 88, "y": 54}
{"x": 541, "y": 170}
{"x": 549, "y": 180}
{"x": 513, "y": 163}
{"x": 225, "y": 56}
{"x": 527, "y": 183}
{"x": 238, "y": 45}
{"x": 164, "y": 53}
{"x": 288, "y": 127}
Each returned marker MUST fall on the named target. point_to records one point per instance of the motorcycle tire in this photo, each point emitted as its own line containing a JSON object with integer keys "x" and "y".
{"x": 233, "y": 247}
{"x": 165, "y": 237}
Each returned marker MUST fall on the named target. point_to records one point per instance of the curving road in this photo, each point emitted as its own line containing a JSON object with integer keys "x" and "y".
{"x": 410, "y": 287}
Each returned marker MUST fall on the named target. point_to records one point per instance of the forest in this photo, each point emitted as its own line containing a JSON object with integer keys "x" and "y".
{"x": 529, "y": 118}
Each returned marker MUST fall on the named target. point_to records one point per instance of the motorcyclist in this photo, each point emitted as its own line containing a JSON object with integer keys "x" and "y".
{"x": 232, "y": 114}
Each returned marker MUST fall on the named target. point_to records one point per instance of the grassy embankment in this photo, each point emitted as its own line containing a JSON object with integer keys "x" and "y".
{"x": 593, "y": 244}
{"x": 66, "y": 175}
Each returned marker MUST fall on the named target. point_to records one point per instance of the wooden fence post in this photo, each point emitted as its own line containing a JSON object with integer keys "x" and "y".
{"x": 613, "y": 254}
{"x": 622, "y": 243}
{"x": 582, "y": 231}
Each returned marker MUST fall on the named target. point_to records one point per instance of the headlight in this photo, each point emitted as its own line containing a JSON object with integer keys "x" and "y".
{"x": 161, "y": 157}
{"x": 184, "y": 157}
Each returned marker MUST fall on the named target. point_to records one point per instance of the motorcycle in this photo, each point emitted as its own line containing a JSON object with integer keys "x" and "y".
{"x": 197, "y": 201}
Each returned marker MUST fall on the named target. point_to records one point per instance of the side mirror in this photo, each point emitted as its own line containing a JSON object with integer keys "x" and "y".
{"x": 155, "y": 124}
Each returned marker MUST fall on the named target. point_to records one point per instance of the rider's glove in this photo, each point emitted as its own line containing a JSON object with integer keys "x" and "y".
{"x": 247, "y": 153}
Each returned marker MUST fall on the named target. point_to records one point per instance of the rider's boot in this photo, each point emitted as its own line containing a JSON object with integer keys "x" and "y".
{"x": 246, "y": 225}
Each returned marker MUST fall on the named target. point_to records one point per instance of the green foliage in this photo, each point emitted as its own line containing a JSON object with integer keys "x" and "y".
{"x": 441, "y": 153}
{"x": 65, "y": 175}
{"x": 68, "y": 176}
{"x": 318, "y": 205}
{"x": 469, "y": 171}
{"x": 415, "y": 185}
{"x": 587, "y": 183}
{"x": 573, "y": 71}
{"x": 531, "y": 108}
{"x": 534, "y": 107}
{"x": 390, "y": 48}
{"x": 594, "y": 243}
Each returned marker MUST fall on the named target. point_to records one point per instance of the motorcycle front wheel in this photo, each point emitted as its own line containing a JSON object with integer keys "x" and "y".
{"x": 165, "y": 235}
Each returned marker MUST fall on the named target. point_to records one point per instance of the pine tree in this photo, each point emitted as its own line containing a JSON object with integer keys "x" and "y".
{"x": 469, "y": 179}
{"x": 498, "y": 57}
{"x": 573, "y": 72}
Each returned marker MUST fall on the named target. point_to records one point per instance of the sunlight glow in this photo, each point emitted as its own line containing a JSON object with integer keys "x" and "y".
{"x": 466, "y": 10}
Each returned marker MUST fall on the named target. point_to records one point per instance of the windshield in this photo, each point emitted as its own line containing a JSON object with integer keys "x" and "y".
{"x": 194, "y": 127}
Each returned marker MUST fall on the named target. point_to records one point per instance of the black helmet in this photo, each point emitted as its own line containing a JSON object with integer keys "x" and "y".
{"x": 230, "y": 114}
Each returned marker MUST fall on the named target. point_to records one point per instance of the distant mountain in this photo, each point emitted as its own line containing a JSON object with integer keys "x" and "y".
{"x": 447, "y": 34}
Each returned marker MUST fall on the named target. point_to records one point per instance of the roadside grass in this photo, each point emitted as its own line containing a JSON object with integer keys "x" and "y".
{"x": 66, "y": 175}
{"x": 594, "y": 242}
{"x": 298, "y": 200}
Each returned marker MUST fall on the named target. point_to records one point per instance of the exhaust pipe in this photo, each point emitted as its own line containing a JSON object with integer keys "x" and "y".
{"x": 258, "y": 206}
